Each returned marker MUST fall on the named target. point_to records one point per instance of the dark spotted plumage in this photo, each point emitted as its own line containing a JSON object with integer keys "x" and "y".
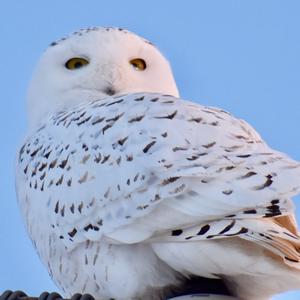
{"x": 84, "y": 31}
{"x": 153, "y": 142}
{"x": 133, "y": 196}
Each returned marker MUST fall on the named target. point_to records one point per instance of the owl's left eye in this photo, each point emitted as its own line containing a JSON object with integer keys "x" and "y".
{"x": 139, "y": 64}
{"x": 76, "y": 63}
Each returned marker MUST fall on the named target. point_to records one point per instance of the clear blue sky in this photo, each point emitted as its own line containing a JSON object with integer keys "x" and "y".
{"x": 242, "y": 55}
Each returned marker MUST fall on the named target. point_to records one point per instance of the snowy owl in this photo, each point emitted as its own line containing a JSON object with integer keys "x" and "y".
{"x": 129, "y": 192}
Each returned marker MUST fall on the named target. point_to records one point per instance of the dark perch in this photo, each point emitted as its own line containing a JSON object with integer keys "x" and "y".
{"x": 19, "y": 295}
{"x": 202, "y": 285}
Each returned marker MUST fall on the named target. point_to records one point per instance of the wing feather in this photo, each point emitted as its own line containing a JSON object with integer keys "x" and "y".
{"x": 129, "y": 168}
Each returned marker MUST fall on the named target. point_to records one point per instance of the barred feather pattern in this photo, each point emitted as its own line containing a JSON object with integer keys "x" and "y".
{"x": 146, "y": 183}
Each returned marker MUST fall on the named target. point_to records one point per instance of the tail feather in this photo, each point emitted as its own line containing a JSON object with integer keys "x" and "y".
{"x": 277, "y": 235}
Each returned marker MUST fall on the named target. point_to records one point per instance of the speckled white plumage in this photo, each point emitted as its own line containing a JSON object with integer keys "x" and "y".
{"x": 125, "y": 196}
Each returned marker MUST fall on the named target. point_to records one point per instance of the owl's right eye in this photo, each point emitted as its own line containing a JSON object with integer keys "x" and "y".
{"x": 76, "y": 63}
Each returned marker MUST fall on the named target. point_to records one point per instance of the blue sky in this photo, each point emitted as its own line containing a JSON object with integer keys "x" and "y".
{"x": 241, "y": 55}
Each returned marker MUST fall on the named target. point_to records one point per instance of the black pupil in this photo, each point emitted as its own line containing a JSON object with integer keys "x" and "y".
{"x": 77, "y": 65}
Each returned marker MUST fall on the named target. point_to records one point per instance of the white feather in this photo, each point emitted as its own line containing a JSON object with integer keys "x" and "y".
{"x": 125, "y": 196}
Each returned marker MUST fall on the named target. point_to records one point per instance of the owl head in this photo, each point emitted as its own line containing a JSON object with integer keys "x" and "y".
{"x": 96, "y": 63}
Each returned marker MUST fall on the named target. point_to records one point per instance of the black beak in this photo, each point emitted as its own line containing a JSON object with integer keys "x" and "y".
{"x": 110, "y": 91}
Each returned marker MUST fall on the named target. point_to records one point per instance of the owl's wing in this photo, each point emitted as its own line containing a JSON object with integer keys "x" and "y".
{"x": 146, "y": 166}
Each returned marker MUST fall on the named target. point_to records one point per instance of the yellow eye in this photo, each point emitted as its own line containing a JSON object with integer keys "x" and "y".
{"x": 76, "y": 63}
{"x": 139, "y": 64}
